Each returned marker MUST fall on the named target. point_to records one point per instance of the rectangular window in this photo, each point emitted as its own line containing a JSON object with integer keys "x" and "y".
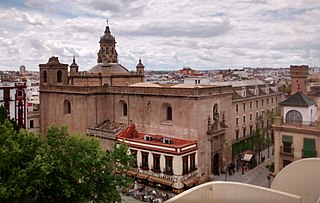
{"x": 31, "y": 123}
{"x": 257, "y": 115}
{"x": 134, "y": 153}
{"x": 257, "y": 104}
{"x": 145, "y": 165}
{"x": 169, "y": 160}
{"x": 309, "y": 148}
{"x": 244, "y": 119}
{"x": 267, "y": 101}
{"x": 192, "y": 162}
{"x": 250, "y": 105}
{"x": 244, "y": 132}
{"x": 237, "y": 134}
{"x": 237, "y": 121}
{"x": 244, "y": 106}
{"x": 237, "y": 107}
{"x": 185, "y": 164}
{"x": 251, "y": 117}
{"x": 6, "y": 94}
{"x": 156, "y": 163}
{"x": 287, "y": 143}
{"x": 262, "y": 102}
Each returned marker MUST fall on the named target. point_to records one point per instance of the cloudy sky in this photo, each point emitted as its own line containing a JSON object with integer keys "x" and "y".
{"x": 167, "y": 34}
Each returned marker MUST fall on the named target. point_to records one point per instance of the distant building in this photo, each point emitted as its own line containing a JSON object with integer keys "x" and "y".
{"x": 187, "y": 71}
{"x": 22, "y": 70}
{"x": 13, "y": 98}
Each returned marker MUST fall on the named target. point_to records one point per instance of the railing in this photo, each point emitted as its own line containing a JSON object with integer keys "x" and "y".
{"x": 101, "y": 133}
{"x": 287, "y": 151}
{"x": 308, "y": 153}
{"x": 140, "y": 90}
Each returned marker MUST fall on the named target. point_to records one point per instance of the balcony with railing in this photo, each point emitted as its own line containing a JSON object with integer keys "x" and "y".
{"x": 308, "y": 153}
{"x": 303, "y": 125}
{"x": 289, "y": 151}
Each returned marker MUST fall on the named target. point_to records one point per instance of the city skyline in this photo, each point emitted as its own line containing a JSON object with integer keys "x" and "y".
{"x": 166, "y": 35}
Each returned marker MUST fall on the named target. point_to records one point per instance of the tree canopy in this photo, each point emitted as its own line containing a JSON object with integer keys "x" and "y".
{"x": 59, "y": 167}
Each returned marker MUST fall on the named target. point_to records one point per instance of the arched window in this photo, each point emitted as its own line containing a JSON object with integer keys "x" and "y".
{"x": 293, "y": 116}
{"x": 215, "y": 112}
{"x": 112, "y": 50}
{"x": 169, "y": 113}
{"x": 45, "y": 76}
{"x": 59, "y": 76}
{"x": 67, "y": 107}
{"x": 125, "y": 109}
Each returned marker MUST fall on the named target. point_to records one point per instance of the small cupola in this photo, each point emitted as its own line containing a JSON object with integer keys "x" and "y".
{"x": 74, "y": 67}
{"x": 140, "y": 68}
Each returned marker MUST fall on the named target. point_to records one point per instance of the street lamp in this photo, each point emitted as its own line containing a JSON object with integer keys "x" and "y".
{"x": 226, "y": 160}
{"x": 269, "y": 178}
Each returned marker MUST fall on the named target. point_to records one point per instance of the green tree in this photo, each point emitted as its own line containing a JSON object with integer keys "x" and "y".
{"x": 59, "y": 168}
{"x": 3, "y": 117}
{"x": 3, "y": 114}
{"x": 259, "y": 141}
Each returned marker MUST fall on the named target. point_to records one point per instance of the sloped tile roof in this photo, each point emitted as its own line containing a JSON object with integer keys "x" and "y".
{"x": 298, "y": 99}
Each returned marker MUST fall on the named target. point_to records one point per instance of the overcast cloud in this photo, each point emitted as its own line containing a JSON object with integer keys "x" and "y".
{"x": 166, "y": 34}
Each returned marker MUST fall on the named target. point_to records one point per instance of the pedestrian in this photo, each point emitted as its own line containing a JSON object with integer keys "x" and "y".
{"x": 237, "y": 166}
{"x": 242, "y": 168}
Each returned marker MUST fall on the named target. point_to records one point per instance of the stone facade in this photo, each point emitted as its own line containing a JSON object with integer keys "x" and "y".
{"x": 199, "y": 114}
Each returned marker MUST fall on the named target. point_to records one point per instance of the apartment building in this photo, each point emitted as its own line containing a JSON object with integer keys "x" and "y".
{"x": 253, "y": 105}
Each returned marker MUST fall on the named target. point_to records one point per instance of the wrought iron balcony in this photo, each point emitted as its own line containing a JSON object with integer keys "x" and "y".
{"x": 286, "y": 151}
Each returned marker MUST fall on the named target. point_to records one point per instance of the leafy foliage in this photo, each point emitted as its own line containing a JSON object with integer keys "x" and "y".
{"x": 3, "y": 117}
{"x": 59, "y": 168}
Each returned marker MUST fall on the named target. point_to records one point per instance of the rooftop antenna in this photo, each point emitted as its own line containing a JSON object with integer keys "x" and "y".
{"x": 107, "y": 21}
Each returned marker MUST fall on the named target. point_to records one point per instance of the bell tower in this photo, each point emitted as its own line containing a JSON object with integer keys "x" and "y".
{"x": 74, "y": 68}
{"x": 53, "y": 73}
{"x": 299, "y": 75}
{"x": 107, "y": 52}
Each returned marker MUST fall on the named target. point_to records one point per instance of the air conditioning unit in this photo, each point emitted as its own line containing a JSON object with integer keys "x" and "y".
{"x": 167, "y": 140}
{"x": 148, "y": 138}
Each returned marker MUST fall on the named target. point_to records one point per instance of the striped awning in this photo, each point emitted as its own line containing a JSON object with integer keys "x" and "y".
{"x": 142, "y": 176}
{"x": 189, "y": 182}
{"x": 132, "y": 173}
{"x": 160, "y": 180}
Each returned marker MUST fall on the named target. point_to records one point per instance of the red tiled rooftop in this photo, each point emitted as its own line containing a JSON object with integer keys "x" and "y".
{"x": 131, "y": 134}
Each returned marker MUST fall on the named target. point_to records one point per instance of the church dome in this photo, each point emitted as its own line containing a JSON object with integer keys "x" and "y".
{"x": 115, "y": 69}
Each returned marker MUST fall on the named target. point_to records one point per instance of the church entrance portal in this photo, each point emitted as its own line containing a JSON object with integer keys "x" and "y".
{"x": 215, "y": 164}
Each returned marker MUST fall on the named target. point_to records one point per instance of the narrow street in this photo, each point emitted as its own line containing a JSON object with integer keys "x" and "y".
{"x": 256, "y": 176}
